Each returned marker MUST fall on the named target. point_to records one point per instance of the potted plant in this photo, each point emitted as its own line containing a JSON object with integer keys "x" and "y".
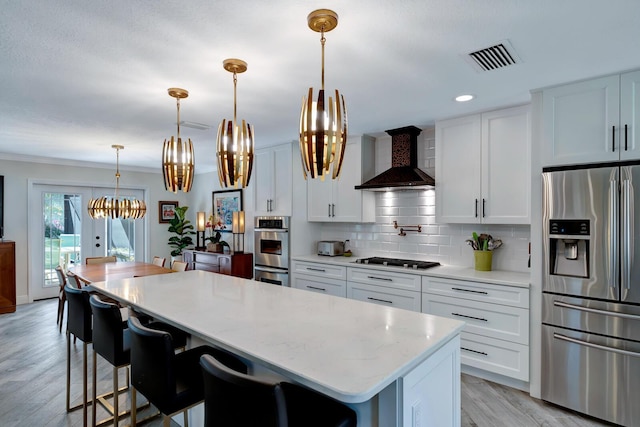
{"x": 216, "y": 244}
{"x": 183, "y": 229}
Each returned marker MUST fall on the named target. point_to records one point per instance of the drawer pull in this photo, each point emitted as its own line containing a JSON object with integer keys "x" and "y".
{"x": 317, "y": 269}
{"x": 474, "y": 351}
{"x": 386, "y": 279}
{"x": 316, "y": 288}
{"x": 469, "y": 317}
{"x": 470, "y": 290}
{"x": 380, "y": 300}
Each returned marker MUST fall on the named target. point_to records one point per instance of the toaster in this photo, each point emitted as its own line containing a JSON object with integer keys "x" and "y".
{"x": 330, "y": 247}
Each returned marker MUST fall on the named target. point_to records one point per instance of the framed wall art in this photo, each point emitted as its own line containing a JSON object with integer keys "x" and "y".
{"x": 225, "y": 203}
{"x": 166, "y": 211}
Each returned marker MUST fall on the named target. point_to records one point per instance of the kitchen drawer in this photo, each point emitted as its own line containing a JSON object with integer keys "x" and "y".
{"x": 408, "y": 300}
{"x": 490, "y": 320}
{"x": 501, "y": 357}
{"x": 321, "y": 270}
{"x": 403, "y": 281}
{"x": 477, "y": 291}
{"x": 316, "y": 284}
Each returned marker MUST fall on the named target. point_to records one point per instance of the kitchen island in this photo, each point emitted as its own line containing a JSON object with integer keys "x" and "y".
{"x": 394, "y": 367}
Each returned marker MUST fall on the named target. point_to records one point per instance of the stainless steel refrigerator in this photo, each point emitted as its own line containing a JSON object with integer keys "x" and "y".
{"x": 591, "y": 291}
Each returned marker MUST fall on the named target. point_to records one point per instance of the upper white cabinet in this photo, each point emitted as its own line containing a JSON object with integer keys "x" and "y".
{"x": 273, "y": 177}
{"x": 592, "y": 121}
{"x": 337, "y": 200}
{"x": 483, "y": 168}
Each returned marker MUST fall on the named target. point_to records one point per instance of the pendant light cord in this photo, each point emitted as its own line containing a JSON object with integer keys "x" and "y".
{"x": 322, "y": 41}
{"x": 117, "y": 172}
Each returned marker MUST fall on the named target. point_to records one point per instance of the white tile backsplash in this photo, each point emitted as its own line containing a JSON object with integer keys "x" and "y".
{"x": 436, "y": 242}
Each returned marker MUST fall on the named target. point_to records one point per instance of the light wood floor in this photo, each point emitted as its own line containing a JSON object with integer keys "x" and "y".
{"x": 33, "y": 370}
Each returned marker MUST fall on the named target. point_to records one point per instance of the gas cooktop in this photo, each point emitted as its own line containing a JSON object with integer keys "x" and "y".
{"x": 397, "y": 262}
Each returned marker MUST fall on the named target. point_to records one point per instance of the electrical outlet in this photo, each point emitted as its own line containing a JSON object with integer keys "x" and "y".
{"x": 416, "y": 411}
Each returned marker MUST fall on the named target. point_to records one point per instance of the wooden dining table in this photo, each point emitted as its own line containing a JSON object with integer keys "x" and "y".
{"x": 116, "y": 270}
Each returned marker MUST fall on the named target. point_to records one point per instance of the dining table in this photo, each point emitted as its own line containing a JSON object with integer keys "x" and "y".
{"x": 89, "y": 273}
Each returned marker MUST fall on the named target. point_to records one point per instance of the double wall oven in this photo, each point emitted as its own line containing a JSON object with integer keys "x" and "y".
{"x": 271, "y": 247}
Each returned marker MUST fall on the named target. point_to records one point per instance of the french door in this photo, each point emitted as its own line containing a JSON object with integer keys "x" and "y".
{"x": 62, "y": 233}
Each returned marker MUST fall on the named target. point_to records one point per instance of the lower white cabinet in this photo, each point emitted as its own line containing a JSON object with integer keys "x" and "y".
{"x": 321, "y": 278}
{"x": 496, "y": 334}
{"x": 384, "y": 288}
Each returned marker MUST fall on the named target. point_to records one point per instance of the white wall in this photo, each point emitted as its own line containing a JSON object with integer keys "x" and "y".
{"x": 437, "y": 242}
{"x": 16, "y": 185}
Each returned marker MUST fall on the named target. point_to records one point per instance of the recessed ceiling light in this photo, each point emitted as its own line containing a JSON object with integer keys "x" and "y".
{"x": 464, "y": 98}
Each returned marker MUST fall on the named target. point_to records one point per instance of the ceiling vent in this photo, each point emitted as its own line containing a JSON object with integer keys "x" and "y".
{"x": 491, "y": 58}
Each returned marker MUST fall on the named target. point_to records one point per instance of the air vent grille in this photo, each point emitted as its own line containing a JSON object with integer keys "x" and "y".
{"x": 494, "y": 57}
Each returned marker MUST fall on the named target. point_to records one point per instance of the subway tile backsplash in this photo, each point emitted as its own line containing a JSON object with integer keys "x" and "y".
{"x": 437, "y": 242}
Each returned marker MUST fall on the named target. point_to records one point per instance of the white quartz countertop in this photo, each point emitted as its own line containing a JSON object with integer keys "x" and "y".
{"x": 347, "y": 349}
{"x": 496, "y": 277}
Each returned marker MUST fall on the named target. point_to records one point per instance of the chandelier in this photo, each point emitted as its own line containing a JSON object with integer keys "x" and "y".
{"x": 113, "y": 207}
{"x": 177, "y": 157}
{"x": 234, "y": 142}
{"x": 323, "y": 126}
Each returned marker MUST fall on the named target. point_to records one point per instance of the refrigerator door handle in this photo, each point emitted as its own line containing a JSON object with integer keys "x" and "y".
{"x": 626, "y": 234}
{"x": 613, "y": 258}
{"x": 596, "y": 310}
{"x": 597, "y": 346}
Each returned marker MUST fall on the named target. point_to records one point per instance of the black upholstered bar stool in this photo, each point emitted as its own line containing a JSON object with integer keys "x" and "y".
{"x": 78, "y": 324}
{"x": 234, "y": 398}
{"x": 171, "y": 382}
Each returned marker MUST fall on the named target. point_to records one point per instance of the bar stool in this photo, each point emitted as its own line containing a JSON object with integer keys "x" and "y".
{"x": 111, "y": 340}
{"x": 171, "y": 382}
{"x": 78, "y": 324}
{"x": 234, "y": 398}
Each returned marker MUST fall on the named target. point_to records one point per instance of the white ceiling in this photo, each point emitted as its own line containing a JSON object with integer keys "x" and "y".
{"x": 78, "y": 76}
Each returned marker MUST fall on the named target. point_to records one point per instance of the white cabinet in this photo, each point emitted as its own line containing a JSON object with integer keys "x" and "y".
{"x": 321, "y": 278}
{"x": 337, "y": 200}
{"x": 592, "y": 121}
{"x": 483, "y": 168}
{"x": 273, "y": 178}
{"x": 496, "y": 334}
{"x": 391, "y": 289}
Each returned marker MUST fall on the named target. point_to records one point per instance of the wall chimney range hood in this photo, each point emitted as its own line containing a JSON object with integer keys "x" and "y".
{"x": 404, "y": 173}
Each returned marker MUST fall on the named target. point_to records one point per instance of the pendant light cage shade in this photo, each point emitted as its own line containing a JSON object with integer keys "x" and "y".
{"x": 115, "y": 207}
{"x": 323, "y": 135}
{"x": 323, "y": 125}
{"x": 177, "y": 155}
{"x": 235, "y": 154}
{"x": 234, "y": 143}
{"x": 177, "y": 164}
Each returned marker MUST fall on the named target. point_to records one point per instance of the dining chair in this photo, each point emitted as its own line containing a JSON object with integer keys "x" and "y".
{"x": 159, "y": 261}
{"x": 179, "y": 266}
{"x": 62, "y": 297}
{"x": 99, "y": 259}
{"x": 171, "y": 381}
{"x": 235, "y": 398}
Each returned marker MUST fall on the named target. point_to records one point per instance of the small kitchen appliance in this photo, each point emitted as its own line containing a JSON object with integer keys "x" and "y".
{"x": 330, "y": 248}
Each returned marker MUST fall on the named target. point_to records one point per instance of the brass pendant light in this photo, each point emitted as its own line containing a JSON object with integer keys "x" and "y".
{"x": 177, "y": 157}
{"x": 113, "y": 207}
{"x": 323, "y": 126}
{"x": 234, "y": 142}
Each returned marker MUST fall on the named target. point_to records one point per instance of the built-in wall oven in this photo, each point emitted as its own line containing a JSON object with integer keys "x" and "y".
{"x": 271, "y": 247}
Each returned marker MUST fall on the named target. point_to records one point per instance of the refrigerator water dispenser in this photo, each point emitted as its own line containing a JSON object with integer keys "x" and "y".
{"x": 569, "y": 248}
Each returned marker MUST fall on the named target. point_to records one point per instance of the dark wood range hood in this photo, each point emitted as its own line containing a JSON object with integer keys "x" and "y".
{"x": 404, "y": 173}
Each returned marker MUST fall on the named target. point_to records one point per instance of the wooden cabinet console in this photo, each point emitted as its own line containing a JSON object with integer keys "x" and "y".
{"x": 239, "y": 265}
{"x": 7, "y": 277}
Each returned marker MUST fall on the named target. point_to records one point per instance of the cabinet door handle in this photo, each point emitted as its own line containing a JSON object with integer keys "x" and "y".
{"x": 476, "y": 208}
{"x": 625, "y": 138}
{"x": 380, "y": 300}
{"x": 333, "y": 210}
{"x": 322, "y": 270}
{"x": 470, "y": 290}
{"x": 469, "y": 317}
{"x": 483, "y": 206}
{"x": 329, "y": 212}
{"x": 386, "y": 279}
{"x": 613, "y": 138}
{"x": 317, "y": 289}
{"x": 474, "y": 351}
